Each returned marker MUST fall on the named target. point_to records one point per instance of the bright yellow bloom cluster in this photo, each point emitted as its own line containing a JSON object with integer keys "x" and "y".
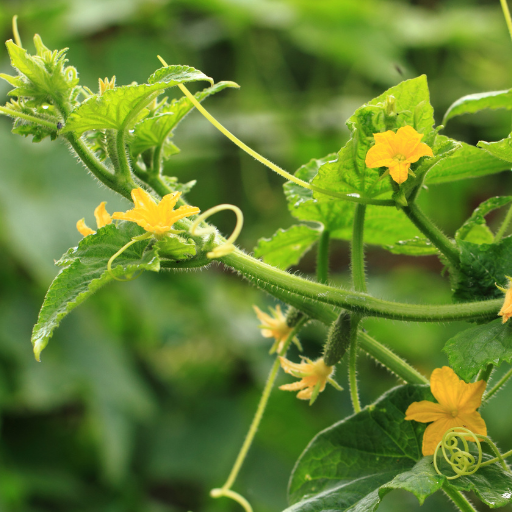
{"x": 156, "y": 218}
{"x": 314, "y": 376}
{"x": 106, "y": 85}
{"x": 457, "y": 407}
{"x": 275, "y": 326}
{"x": 102, "y": 219}
{"x": 397, "y": 151}
{"x": 506, "y": 309}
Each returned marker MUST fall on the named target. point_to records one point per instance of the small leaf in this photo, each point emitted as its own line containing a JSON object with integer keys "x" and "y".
{"x": 174, "y": 75}
{"x": 414, "y": 247}
{"x": 472, "y": 350}
{"x": 501, "y": 149}
{"x": 85, "y": 271}
{"x": 467, "y": 162}
{"x": 286, "y": 247}
{"x": 467, "y": 230}
{"x": 481, "y": 266}
{"x": 176, "y": 248}
{"x": 475, "y": 102}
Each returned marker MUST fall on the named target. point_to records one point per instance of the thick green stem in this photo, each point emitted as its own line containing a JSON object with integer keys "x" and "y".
{"x": 504, "y": 226}
{"x": 458, "y": 499}
{"x": 497, "y": 387}
{"x": 390, "y": 360}
{"x": 322, "y": 258}
{"x": 352, "y": 364}
{"x": 485, "y": 373}
{"x": 269, "y": 278}
{"x": 97, "y": 168}
{"x": 261, "y": 408}
{"x": 124, "y": 170}
{"x": 357, "y": 249}
{"x": 433, "y": 233}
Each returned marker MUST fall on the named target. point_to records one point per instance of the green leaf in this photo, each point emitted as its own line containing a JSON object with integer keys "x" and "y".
{"x": 467, "y": 162}
{"x": 415, "y": 247}
{"x": 475, "y": 102}
{"x": 472, "y": 350}
{"x": 174, "y": 75}
{"x": 501, "y": 149}
{"x": 470, "y": 229}
{"x": 85, "y": 271}
{"x": 287, "y": 246}
{"x": 154, "y": 131}
{"x": 481, "y": 267}
{"x": 348, "y": 174}
{"x": 354, "y": 463}
{"x": 176, "y": 248}
{"x": 44, "y": 76}
{"x": 383, "y": 225}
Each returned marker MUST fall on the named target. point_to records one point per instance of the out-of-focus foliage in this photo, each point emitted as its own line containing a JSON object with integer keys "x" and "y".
{"x": 142, "y": 401}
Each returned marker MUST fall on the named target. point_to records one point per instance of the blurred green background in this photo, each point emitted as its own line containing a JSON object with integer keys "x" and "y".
{"x": 145, "y": 393}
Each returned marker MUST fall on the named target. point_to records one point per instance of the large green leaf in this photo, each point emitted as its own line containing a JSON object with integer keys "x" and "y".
{"x": 348, "y": 174}
{"x": 154, "y": 131}
{"x": 501, "y": 149}
{"x": 481, "y": 267}
{"x": 122, "y": 107}
{"x": 471, "y": 230}
{"x": 352, "y": 465}
{"x": 475, "y": 102}
{"x": 286, "y": 246}
{"x": 85, "y": 271}
{"x": 467, "y": 162}
{"x": 472, "y": 350}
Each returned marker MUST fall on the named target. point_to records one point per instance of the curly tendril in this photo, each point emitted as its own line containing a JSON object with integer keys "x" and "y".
{"x": 145, "y": 236}
{"x": 462, "y": 462}
{"x": 228, "y": 247}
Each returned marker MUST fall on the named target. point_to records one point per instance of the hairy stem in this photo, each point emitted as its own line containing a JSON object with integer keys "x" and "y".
{"x": 124, "y": 165}
{"x": 504, "y": 226}
{"x": 485, "y": 373}
{"x": 497, "y": 387}
{"x": 27, "y": 117}
{"x": 352, "y": 364}
{"x": 357, "y": 249}
{"x": 458, "y": 499}
{"x": 433, "y": 233}
{"x": 270, "y": 278}
{"x": 322, "y": 258}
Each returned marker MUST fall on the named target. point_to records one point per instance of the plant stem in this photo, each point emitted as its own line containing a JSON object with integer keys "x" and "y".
{"x": 497, "y": 387}
{"x": 433, "y": 233}
{"x": 352, "y": 364}
{"x": 390, "y": 360}
{"x": 458, "y": 499}
{"x": 357, "y": 249}
{"x": 274, "y": 167}
{"x": 124, "y": 165}
{"x": 270, "y": 278}
{"x": 485, "y": 373}
{"x": 322, "y": 258}
{"x": 261, "y": 408}
{"x": 506, "y": 13}
{"x": 27, "y": 117}
{"x": 504, "y": 225}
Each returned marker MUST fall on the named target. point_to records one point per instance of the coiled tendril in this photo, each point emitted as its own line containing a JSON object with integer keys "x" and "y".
{"x": 462, "y": 462}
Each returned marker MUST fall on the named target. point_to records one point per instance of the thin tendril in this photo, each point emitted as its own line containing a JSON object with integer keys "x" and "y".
{"x": 228, "y": 247}
{"x": 145, "y": 236}
{"x": 16, "y": 34}
{"x": 462, "y": 462}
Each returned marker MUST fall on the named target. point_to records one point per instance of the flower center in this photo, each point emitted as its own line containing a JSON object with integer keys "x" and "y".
{"x": 399, "y": 158}
{"x": 455, "y": 413}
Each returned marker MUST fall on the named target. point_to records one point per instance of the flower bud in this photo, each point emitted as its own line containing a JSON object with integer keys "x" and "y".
{"x": 338, "y": 339}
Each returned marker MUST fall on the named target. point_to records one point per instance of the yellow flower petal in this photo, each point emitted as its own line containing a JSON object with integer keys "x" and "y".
{"x": 435, "y": 432}
{"x": 473, "y": 422}
{"x": 102, "y": 216}
{"x": 506, "y": 309}
{"x": 406, "y": 140}
{"x": 419, "y": 151}
{"x": 424, "y": 411}
{"x": 294, "y": 386}
{"x": 470, "y": 396}
{"x": 400, "y": 171}
{"x": 379, "y": 156}
{"x": 83, "y": 229}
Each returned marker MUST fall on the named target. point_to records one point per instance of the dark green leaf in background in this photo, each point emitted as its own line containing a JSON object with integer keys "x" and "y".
{"x": 472, "y": 350}
{"x": 85, "y": 271}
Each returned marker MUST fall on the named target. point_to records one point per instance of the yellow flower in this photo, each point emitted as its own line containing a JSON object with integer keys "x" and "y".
{"x": 106, "y": 85}
{"x": 457, "y": 407}
{"x": 156, "y": 218}
{"x": 397, "y": 151}
{"x": 506, "y": 309}
{"x": 314, "y": 376}
{"x": 275, "y": 326}
{"x": 102, "y": 219}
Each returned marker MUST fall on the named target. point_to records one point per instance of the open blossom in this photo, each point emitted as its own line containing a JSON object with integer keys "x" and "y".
{"x": 397, "y": 151}
{"x": 275, "y": 326}
{"x": 314, "y": 376}
{"x": 156, "y": 218}
{"x": 506, "y": 309}
{"x": 102, "y": 219}
{"x": 457, "y": 407}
